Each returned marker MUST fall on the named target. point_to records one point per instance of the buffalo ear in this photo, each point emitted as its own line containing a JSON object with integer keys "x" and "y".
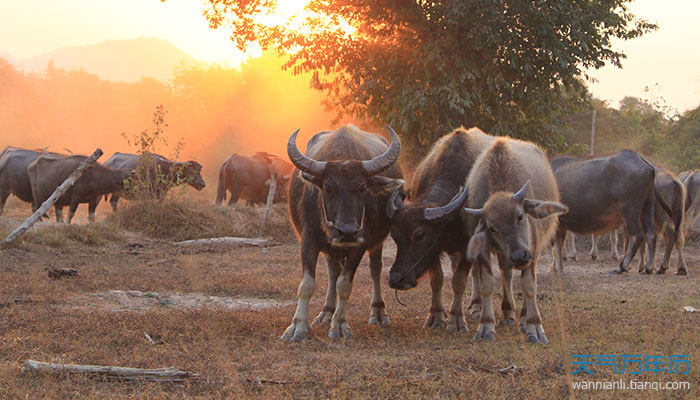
{"x": 478, "y": 243}
{"x": 316, "y": 180}
{"x": 395, "y": 202}
{"x": 541, "y": 209}
{"x": 384, "y": 185}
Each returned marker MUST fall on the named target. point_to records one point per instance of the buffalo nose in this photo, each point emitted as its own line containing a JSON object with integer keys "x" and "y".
{"x": 348, "y": 231}
{"x": 521, "y": 257}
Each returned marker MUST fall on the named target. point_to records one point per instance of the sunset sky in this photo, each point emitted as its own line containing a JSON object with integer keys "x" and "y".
{"x": 667, "y": 60}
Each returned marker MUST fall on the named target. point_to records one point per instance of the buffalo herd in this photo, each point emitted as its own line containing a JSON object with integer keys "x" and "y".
{"x": 472, "y": 197}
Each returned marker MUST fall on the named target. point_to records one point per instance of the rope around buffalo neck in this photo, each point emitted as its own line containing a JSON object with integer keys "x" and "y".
{"x": 396, "y": 291}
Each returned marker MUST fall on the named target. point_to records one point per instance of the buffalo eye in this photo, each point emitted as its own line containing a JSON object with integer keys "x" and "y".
{"x": 520, "y": 218}
{"x": 418, "y": 235}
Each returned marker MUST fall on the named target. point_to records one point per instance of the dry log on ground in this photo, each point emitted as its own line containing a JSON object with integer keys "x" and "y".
{"x": 238, "y": 241}
{"x": 161, "y": 375}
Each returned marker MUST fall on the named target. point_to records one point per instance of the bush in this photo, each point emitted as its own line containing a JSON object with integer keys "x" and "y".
{"x": 184, "y": 219}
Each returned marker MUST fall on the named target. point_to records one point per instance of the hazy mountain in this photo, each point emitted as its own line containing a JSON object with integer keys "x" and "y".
{"x": 116, "y": 60}
{"x": 7, "y": 56}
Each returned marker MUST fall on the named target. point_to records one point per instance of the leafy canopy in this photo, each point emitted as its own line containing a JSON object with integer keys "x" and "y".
{"x": 426, "y": 67}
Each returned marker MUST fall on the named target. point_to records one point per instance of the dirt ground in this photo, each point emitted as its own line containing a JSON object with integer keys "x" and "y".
{"x": 219, "y": 311}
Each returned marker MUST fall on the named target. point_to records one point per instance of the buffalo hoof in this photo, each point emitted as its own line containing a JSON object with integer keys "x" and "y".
{"x": 508, "y": 322}
{"x": 537, "y": 339}
{"x": 378, "y": 317}
{"x": 523, "y": 329}
{"x": 594, "y": 257}
{"x": 435, "y": 320}
{"x": 339, "y": 330}
{"x": 647, "y": 271}
{"x": 682, "y": 271}
{"x": 323, "y": 318}
{"x": 661, "y": 271}
{"x": 456, "y": 323}
{"x": 618, "y": 271}
{"x": 485, "y": 335}
{"x": 296, "y": 332}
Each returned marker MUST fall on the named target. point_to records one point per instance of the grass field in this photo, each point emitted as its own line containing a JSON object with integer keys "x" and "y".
{"x": 219, "y": 311}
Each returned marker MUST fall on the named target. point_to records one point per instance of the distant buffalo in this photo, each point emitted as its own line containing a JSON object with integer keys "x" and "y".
{"x": 155, "y": 174}
{"x": 13, "y": 173}
{"x": 46, "y": 173}
{"x": 247, "y": 178}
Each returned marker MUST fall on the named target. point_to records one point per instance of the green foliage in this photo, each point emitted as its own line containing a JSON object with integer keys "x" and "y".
{"x": 426, "y": 67}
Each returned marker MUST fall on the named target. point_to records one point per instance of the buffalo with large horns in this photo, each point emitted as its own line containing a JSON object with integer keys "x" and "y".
{"x": 337, "y": 203}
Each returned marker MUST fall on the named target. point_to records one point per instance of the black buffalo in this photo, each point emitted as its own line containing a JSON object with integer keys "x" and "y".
{"x": 13, "y": 173}
{"x": 337, "y": 204}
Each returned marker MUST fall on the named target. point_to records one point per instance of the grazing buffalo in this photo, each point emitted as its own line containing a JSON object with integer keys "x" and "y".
{"x": 429, "y": 223}
{"x": 513, "y": 207}
{"x": 604, "y": 192}
{"x": 47, "y": 173}
{"x": 672, "y": 192}
{"x": 155, "y": 173}
{"x": 13, "y": 173}
{"x": 247, "y": 177}
{"x": 337, "y": 204}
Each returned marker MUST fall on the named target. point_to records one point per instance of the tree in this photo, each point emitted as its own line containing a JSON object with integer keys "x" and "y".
{"x": 426, "y": 67}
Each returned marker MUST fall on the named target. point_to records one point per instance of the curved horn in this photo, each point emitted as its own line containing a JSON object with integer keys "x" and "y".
{"x": 474, "y": 211}
{"x": 383, "y": 162}
{"x": 301, "y": 161}
{"x": 439, "y": 212}
{"x": 521, "y": 193}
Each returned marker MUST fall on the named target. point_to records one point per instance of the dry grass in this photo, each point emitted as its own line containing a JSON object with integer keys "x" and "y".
{"x": 585, "y": 311}
{"x": 182, "y": 219}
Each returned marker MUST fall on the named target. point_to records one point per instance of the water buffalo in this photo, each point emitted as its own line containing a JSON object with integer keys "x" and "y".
{"x": 670, "y": 227}
{"x": 155, "y": 173}
{"x": 430, "y": 223}
{"x": 13, "y": 173}
{"x": 337, "y": 204}
{"x": 46, "y": 173}
{"x": 691, "y": 180}
{"x": 247, "y": 177}
{"x": 604, "y": 192}
{"x": 513, "y": 207}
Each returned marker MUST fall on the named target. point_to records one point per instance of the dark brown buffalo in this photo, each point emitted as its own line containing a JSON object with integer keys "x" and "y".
{"x": 429, "y": 223}
{"x": 247, "y": 178}
{"x": 47, "y": 173}
{"x": 670, "y": 227}
{"x": 337, "y": 204}
{"x": 13, "y": 173}
{"x": 603, "y": 193}
{"x": 156, "y": 173}
{"x": 513, "y": 207}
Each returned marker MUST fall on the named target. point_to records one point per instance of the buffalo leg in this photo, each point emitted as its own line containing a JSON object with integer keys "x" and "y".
{"x": 474, "y": 309}
{"x": 642, "y": 256}
{"x": 594, "y": 247}
{"x": 533, "y": 321}
{"x": 508, "y": 302}
{"x": 299, "y": 328}
{"x": 557, "y": 248}
{"x": 377, "y": 311}
{"x": 91, "y": 210}
{"x": 460, "y": 274}
{"x": 113, "y": 200}
{"x": 635, "y": 235}
{"x": 614, "y": 253}
{"x": 680, "y": 244}
{"x": 235, "y": 194}
{"x": 339, "y": 322}
{"x": 570, "y": 247}
{"x": 59, "y": 214}
{"x": 487, "y": 328}
{"x": 436, "y": 317}
{"x": 71, "y": 210}
{"x": 324, "y": 317}
{"x": 650, "y": 232}
{"x": 4, "y": 194}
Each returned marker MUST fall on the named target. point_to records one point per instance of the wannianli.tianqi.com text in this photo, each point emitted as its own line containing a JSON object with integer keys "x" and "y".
{"x": 631, "y": 384}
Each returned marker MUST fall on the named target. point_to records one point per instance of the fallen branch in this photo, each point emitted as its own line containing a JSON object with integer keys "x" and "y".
{"x": 224, "y": 240}
{"x": 63, "y": 188}
{"x": 161, "y": 375}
